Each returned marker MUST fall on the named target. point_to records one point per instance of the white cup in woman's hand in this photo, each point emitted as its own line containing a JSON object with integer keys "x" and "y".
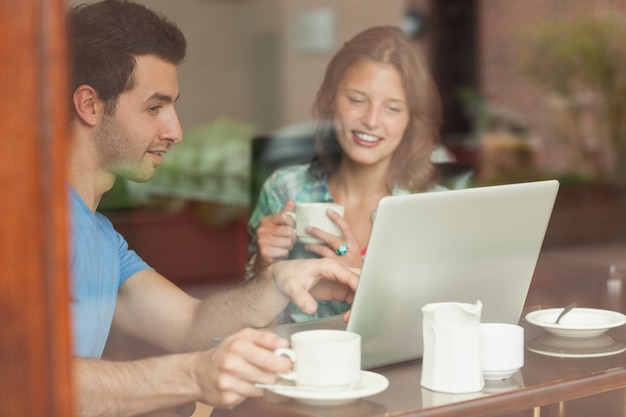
{"x": 314, "y": 214}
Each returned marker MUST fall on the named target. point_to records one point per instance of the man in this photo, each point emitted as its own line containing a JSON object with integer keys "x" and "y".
{"x": 123, "y": 123}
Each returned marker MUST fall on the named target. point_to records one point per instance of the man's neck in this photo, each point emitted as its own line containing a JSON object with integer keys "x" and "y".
{"x": 89, "y": 191}
{"x": 87, "y": 178}
{"x": 87, "y": 169}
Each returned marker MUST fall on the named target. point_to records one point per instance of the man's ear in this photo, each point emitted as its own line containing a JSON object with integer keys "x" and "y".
{"x": 87, "y": 105}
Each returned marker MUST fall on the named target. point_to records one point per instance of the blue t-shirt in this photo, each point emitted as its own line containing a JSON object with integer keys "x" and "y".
{"x": 100, "y": 263}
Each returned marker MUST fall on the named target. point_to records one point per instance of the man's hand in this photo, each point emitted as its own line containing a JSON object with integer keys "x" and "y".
{"x": 308, "y": 280}
{"x": 227, "y": 374}
{"x": 222, "y": 377}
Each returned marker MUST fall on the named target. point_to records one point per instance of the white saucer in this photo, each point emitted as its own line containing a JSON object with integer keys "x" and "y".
{"x": 370, "y": 383}
{"x": 569, "y": 347}
{"x": 580, "y": 322}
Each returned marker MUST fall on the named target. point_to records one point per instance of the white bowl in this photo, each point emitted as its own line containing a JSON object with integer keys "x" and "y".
{"x": 579, "y": 322}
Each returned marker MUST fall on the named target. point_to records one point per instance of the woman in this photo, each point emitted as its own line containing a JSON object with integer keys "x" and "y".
{"x": 385, "y": 115}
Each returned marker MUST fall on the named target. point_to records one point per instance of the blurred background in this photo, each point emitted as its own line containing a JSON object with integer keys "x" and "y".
{"x": 531, "y": 90}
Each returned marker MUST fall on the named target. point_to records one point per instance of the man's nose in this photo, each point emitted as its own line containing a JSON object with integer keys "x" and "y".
{"x": 174, "y": 130}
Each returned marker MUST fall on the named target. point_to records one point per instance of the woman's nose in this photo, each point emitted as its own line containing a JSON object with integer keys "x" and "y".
{"x": 371, "y": 117}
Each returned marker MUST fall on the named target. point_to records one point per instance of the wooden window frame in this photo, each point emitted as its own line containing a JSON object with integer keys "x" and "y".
{"x": 35, "y": 342}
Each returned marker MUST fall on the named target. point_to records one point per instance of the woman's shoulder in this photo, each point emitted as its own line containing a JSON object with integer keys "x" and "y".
{"x": 292, "y": 170}
{"x": 292, "y": 174}
{"x": 296, "y": 182}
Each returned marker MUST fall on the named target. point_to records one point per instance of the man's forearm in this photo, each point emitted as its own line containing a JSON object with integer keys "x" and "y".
{"x": 107, "y": 388}
{"x": 258, "y": 301}
{"x": 254, "y": 303}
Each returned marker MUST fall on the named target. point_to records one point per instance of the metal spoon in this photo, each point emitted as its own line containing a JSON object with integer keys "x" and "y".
{"x": 566, "y": 310}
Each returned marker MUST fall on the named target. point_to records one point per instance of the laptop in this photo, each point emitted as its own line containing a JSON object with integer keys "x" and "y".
{"x": 463, "y": 245}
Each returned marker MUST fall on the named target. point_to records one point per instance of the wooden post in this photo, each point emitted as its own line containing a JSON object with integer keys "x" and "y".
{"x": 35, "y": 343}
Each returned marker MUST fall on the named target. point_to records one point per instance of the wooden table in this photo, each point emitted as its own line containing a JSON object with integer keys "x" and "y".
{"x": 542, "y": 381}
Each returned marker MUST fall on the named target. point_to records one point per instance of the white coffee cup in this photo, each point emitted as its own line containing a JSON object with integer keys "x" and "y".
{"x": 502, "y": 350}
{"x": 324, "y": 359}
{"x": 314, "y": 214}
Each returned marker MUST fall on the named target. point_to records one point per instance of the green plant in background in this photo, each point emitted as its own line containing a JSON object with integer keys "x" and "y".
{"x": 116, "y": 198}
{"x": 486, "y": 118}
{"x": 584, "y": 56}
{"x": 475, "y": 108}
{"x": 211, "y": 164}
{"x": 505, "y": 153}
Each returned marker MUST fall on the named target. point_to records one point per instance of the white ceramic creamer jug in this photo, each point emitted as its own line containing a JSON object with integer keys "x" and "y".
{"x": 451, "y": 359}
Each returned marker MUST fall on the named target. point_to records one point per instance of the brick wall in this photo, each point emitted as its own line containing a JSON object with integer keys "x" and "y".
{"x": 500, "y": 25}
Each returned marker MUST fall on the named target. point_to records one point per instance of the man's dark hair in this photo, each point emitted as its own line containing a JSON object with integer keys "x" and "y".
{"x": 105, "y": 37}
